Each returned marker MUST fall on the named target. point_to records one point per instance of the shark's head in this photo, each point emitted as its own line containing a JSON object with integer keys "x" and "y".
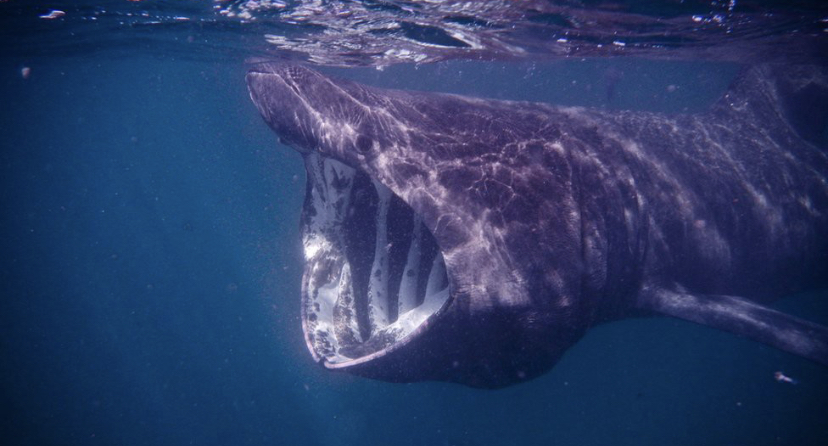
{"x": 406, "y": 276}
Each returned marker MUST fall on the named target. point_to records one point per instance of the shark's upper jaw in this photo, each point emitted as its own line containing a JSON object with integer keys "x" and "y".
{"x": 373, "y": 275}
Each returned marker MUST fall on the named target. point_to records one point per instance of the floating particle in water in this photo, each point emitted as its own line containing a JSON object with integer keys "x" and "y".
{"x": 53, "y": 14}
{"x": 781, "y": 377}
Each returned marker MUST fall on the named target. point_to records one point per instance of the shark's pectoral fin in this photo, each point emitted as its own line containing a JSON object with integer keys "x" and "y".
{"x": 742, "y": 317}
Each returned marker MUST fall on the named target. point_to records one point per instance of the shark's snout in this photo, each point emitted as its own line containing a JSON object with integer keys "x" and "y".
{"x": 273, "y": 91}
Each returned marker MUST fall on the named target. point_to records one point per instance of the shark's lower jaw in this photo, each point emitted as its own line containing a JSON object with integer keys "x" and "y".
{"x": 373, "y": 272}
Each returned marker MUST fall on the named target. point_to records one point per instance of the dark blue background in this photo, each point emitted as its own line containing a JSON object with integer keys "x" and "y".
{"x": 150, "y": 281}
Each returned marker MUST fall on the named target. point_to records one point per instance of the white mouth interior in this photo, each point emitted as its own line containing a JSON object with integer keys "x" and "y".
{"x": 373, "y": 271}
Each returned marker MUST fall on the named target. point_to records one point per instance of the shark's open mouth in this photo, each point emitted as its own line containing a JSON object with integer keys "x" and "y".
{"x": 373, "y": 272}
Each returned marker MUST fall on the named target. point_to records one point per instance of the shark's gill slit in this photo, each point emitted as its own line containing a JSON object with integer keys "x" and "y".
{"x": 373, "y": 271}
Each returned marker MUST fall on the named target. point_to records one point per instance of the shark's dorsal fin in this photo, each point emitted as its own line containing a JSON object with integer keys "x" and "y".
{"x": 742, "y": 317}
{"x": 796, "y": 94}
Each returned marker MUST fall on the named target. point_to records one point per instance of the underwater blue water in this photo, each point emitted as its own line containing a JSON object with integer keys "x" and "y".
{"x": 151, "y": 265}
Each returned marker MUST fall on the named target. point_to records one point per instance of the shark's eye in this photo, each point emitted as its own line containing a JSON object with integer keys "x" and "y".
{"x": 363, "y": 143}
{"x": 374, "y": 272}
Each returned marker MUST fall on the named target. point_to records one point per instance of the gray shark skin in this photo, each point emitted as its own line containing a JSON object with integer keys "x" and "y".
{"x": 473, "y": 241}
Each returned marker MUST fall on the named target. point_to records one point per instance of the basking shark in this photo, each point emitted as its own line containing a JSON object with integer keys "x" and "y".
{"x": 473, "y": 241}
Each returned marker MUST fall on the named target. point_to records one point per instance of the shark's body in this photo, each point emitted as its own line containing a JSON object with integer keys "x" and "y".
{"x": 474, "y": 241}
